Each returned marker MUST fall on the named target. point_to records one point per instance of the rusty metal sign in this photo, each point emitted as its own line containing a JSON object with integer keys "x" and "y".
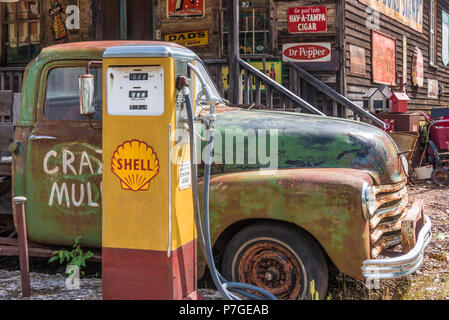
{"x": 357, "y": 60}
{"x": 432, "y": 88}
{"x": 407, "y": 12}
{"x": 185, "y": 8}
{"x": 383, "y": 50}
{"x": 418, "y": 68}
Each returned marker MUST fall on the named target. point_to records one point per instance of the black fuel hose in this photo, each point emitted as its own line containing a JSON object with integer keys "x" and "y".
{"x": 220, "y": 282}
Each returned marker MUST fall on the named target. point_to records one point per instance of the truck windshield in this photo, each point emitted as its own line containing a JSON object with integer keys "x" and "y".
{"x": 200, "y": 66}
{"x": 62, "y": 99}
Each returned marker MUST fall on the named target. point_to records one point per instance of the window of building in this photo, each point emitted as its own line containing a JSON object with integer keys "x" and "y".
{"x": 432, "y": 31}
{"x": 62, "y": 99}
{"x": 128, "y": 20}
{"x": 254, "y": 27}
{"x": 21, "y": 31}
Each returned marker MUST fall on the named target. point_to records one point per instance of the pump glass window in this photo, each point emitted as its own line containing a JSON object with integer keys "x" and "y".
{"x": 62, "y": 99}
{"x": 198, "y": 89}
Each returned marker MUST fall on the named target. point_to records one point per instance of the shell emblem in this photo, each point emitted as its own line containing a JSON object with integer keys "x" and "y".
{"x": 135, "y": 163}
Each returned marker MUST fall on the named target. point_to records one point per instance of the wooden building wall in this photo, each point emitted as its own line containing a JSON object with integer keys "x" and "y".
{"x": 356, "y": 33}
{"x": 83, "y": 34}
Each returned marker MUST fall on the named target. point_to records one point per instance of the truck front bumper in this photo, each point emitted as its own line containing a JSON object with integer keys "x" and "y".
{"x": 399, "y": 266}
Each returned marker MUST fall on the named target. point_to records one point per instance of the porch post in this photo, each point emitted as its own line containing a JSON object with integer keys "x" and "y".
{"x": 235, "y": 83}
{"x": 123, "y": 20}
{"x": 97, "y": 19}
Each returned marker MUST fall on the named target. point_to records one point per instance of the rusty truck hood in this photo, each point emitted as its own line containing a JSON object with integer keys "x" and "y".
{"x": 309, "y": 141}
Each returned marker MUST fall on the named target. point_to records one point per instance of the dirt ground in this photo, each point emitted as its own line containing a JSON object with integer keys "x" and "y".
{"x": 431, "y": 282}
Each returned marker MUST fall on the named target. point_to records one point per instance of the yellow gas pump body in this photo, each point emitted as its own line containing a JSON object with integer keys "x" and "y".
{"x": 148, "y": 228}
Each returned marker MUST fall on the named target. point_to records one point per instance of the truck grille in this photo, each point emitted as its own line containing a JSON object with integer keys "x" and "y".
{"x": 385, "y": 225}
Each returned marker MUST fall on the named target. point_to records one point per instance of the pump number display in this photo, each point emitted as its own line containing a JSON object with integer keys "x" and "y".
{"x": 138, "y": 76}
{"x": 135, "y": 91}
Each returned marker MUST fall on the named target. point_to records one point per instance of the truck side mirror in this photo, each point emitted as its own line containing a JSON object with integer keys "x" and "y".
{"x": 87, "y": 88}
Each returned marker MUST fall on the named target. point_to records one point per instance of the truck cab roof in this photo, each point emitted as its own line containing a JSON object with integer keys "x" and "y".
{"x": 95, "y": 49}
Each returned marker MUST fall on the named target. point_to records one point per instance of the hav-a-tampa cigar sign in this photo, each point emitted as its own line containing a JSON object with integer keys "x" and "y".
{"x": 307, "y": 19}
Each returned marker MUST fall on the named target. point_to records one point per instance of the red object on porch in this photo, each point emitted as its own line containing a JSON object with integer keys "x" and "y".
{"x": 439, "y": 134}
{"x": 399, "y": 102}
{"x": 389, "y": 125}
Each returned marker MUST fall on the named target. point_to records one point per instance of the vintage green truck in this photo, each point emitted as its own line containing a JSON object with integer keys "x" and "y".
{"x": 336, "y": 193}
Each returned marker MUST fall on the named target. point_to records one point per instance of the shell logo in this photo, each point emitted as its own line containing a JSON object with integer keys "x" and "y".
{"x": 135, "y": 163}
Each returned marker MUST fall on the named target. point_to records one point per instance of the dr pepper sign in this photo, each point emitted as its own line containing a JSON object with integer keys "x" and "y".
{"x": 307, "y": 19}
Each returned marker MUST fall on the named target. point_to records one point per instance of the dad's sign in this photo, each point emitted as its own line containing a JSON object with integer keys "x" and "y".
{"x": 307, "y": 19}
{"x": 408, "y": 12}
{"x": 189, "y": 39}
{"x": 307, "y": 52}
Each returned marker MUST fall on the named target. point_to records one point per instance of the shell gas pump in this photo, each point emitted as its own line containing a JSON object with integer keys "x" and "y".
{"x": 151, "y": 219}
{"x": 148, "y": 228}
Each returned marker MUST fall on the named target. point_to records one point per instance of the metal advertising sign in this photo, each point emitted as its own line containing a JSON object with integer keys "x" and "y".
{"x": 307, "y": 19}
{"x": 404, "y": 60}
{"x": 273, "y": 69}
{"x": 445, "y": 37}
{"x": 357, "y": 60}
{"x": 189, "y": 39}
{"x": 418, "y": 68}
{"x": 408, "y": 12}
{"x": 306, "y": 52}
{"x": 135, "y": 163}
{"x": 185, "y": 8}
{"x": 432, "y": 88}
{"x": 383, "y": 58}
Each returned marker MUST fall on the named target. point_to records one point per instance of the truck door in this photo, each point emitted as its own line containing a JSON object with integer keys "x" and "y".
{"x": 64, "y": 157}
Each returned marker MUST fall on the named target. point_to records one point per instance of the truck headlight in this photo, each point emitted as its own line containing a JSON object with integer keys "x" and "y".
{"x": 368, "y": 201}
{"x": 404, "y": 164}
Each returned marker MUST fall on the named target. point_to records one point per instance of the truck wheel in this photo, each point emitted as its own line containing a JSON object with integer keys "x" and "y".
{"x": 278, "y": 259}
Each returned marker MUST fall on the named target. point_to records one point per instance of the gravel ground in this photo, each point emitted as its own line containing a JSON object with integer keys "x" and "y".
{"x": 47, "y": 287}
{"x": 53, "y": 287}
{"x": 430, "y": 282}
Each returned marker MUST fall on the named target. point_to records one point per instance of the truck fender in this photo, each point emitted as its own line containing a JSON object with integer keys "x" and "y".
{"x": 326, "y": 203}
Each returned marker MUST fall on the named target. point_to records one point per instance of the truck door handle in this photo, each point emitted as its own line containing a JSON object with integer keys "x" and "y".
{"x": 34, "y": 138}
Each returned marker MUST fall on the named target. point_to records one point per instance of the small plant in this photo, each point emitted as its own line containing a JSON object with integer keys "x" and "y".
{"x": 75, "y": 257}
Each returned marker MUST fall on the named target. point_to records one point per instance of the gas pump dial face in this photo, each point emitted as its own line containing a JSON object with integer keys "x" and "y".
{"x": 135, "y": 91}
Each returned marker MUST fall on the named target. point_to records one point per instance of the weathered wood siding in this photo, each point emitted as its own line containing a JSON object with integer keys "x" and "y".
{"x": 357, "y": 33}
{"x": 83, "y": 34}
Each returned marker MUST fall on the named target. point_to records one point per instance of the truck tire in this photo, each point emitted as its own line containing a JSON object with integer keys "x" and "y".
{"x": 276, "y": 258}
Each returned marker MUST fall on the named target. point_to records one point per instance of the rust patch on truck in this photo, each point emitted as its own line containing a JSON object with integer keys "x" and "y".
{"x": 411, "y": 225}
